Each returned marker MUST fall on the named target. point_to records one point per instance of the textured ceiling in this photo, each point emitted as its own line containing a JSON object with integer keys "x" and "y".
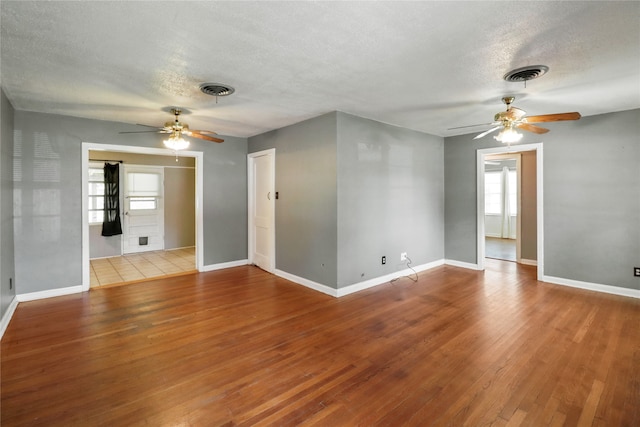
{"x": 427, "y": 66}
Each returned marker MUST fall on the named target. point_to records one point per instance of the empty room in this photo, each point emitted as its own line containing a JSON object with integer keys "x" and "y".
{"x": 320, "y": 213}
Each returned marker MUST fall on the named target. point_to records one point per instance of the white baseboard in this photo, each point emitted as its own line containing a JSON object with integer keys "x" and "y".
{"x": 607, "y": 289}
{"x": 340, "y": 292}
{"x": 50, "y": 293}
{"x": 528, "y": 261}
{"x": 220, "y": 266}
{"x": 6, "y": 318}
{"x": 461, "y": 264}
{"x": 307, "y": 283}
{"x": 387, "y": 278}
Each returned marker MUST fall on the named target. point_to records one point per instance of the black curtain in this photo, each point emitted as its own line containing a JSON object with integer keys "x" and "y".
{"x": 111, "y": 225}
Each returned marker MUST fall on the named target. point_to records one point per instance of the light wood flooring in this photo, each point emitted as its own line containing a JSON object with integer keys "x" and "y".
{"x": 241, "y": 347}
{"x": 141, "y": 266}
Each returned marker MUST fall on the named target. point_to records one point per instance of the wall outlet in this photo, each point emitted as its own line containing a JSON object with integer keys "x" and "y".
{"x": 384, "y": 260}
{"x": 403, "y": 256}
{"x": 636, "y": 271}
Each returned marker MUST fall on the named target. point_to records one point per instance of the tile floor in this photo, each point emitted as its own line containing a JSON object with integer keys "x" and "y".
{"x": 141, "y": 266}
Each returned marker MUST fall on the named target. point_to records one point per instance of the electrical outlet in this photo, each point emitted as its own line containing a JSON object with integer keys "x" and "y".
{"x": 636, "y": 271}
{"x": 384, "y": 260}
{"x": 403, "y": 256}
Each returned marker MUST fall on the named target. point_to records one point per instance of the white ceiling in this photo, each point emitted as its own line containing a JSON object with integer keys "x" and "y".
{"x": 427, "y": 66}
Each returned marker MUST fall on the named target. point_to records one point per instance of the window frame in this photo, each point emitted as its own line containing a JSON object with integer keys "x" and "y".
{"x": 90, "y": 196}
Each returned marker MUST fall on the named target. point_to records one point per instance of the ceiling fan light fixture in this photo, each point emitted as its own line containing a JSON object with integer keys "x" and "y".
{"x": 176, "y": 142}
{"x": 508, "y": 136}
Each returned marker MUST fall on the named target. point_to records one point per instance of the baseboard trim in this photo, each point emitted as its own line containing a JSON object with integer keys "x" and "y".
{"x": 223, "y": 265}
{"x": 6, "y": 318}
{"x": 307, "y": 283}
{"x": 607, "y": 289}
{"x": 528, "y": 261}
{"x": 461, "y": 264}
{"x": 50, "y": 293}
{"x": 356, "y": 287}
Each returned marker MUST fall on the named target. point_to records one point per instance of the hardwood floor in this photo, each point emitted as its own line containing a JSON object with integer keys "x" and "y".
{"x": 242, "y": 347}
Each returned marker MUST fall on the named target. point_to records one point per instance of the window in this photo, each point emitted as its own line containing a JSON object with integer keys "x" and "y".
{"x": 493, "y": 198}
{"x": 96, "y": 194}
{"x": 492, "y": 193}
{"x": 143, "y": 190}
{"x": 142, "y": 203}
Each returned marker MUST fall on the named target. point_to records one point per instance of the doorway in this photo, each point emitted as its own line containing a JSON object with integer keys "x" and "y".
{"x": 199, "y": 235}
{"x": 483, "y": 155}
{"x": 261, "y": 201}
{"x": 503, "y": 207}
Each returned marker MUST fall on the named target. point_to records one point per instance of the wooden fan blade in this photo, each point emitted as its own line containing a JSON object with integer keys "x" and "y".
{"x": 203, "y": 131}
{"x": 553, "y": 117}
{"x": 208, "y": 138}
{"x": 532, "y": 128}
{"x": 487, "y": 132}
{"x": 473, "y": 126}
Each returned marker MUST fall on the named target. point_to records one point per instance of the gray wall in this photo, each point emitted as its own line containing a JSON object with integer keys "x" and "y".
{"x": 390, "y": 198}
{"x": 179, "y": 196}
{"x": 352, "y": 190}
{"x": 48, "y": 209}
{"x": 7, "y": 265}
{"x": 306, "y": 211}
{"x": 591, "y": 198}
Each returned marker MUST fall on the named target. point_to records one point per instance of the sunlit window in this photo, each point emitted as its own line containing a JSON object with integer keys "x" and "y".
{"x": 493, "y": 197}
{"x": 96, "y": 195}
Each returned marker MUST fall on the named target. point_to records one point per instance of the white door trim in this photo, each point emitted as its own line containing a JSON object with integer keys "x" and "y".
{"x": 271, "y": 152}
{"x": 88, "y": 146}
{"x": 481, "y": 153}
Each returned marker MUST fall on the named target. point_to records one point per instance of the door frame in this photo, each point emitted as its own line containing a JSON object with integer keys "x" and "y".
{"x": 199, "y": 201}
{"x": 480, "y": 158}
{"x": 271, "y": 153}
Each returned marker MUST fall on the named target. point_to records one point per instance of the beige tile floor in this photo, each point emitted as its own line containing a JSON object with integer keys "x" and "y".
{"x": 141, "y": 266}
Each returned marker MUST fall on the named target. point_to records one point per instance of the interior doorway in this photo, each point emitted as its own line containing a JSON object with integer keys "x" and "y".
{"x": 503, "y": 207}
{"x": 261, "y": 201}
{"x": 489, "y": 154}
{"x": 197, "y": 204}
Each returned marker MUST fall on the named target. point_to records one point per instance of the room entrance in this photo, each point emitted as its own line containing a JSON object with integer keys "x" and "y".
{"x": 508, "y": 220}
{"x": 184, "y": 211}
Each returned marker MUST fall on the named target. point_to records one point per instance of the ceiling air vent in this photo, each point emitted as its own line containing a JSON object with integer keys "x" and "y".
{"x": 526, "y": 73}
{"x": 216, "y": 89}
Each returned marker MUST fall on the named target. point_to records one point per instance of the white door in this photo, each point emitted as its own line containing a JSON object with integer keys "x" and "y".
{"x": 262, "y": 209}
{"x": 143, "y": 225}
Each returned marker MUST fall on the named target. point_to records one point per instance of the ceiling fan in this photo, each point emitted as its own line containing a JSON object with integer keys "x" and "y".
{"x": 176, "y": 129}
{"x": 514, "y": 118}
